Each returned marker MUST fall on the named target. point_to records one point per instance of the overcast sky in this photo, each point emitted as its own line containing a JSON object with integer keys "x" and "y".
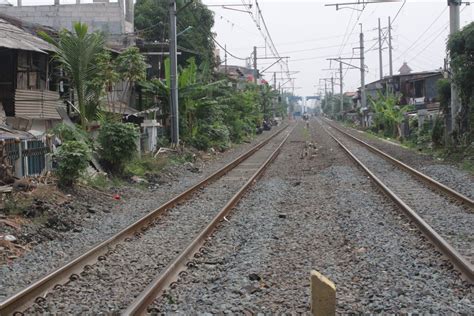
{"x": 310, "y": 32}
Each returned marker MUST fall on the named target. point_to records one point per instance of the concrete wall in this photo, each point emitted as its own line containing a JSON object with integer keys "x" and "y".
{"x": 109, "y": 18}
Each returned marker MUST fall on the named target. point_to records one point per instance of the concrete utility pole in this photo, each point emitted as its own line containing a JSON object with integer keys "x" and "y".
{"x": 255, "y": 71}
{"x": 363, "y": 97}
{"x": 341, "y": 88}
{"x": 274, "y": 80}
{"x": 454, "y": 25}
{"x": 332, "y": 85}
{"x": 380, "y": 51}
{"x": 225, "y": 58}
{"x": 325, "y": 90}
{"x": 173, "y": 75}
{"x": 390, "y": 60}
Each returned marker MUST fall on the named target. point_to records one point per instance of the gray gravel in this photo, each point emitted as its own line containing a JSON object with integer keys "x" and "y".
{"x": 452, "y": 221}
{"x": 110, "y": 218}
{"x": 321, "y": 213}
{"x": 110, "y": 285}
{"x": 444, "y": 172}
{"x": 451, "y": 176}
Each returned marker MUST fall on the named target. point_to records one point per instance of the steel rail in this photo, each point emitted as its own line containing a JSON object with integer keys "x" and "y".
{"x": 62, "y": 274}
{"x": 170, "y": 274}
{"x": 430, "y": 181}
{"x": 461, "y": 263}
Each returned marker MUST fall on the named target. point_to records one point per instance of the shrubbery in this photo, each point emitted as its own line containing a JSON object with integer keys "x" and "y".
{"x": 117, "y": 144}
{"x": 68, "y": 133}
{"x": 73, "y": 157}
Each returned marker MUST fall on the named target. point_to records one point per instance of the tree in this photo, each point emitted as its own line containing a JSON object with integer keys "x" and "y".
{"x": 267, "y": 97}
{"x": 131, "y": 67}
{"x": 389, "y": 115}
{"x": 76, "y": 53}
{"x": 461, "y": 50}
{"x": 151, "y": 17}
{"x": 106, "y": 77}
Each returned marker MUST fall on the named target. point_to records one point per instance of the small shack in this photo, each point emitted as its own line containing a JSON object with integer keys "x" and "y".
{"x": 27, "y": 100}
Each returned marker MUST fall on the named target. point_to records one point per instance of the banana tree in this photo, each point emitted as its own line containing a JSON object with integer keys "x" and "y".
{"x": 191, "y": 92}
{"x": 389, "y": 115}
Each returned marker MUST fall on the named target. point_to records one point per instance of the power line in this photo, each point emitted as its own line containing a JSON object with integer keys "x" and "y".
{"x": 424, "y": 32}
{"x": 345, "y": 33}
{"x": 225, "y": 50}
{"x": 316, "y": 48}
{"x": 399, "y": 10}
{"x": 433, "y": 40}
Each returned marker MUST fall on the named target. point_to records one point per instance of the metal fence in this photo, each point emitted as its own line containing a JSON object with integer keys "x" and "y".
{"x": 27, "y": 157}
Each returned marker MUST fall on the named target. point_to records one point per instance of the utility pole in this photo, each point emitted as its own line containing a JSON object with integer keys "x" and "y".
{"x": 325, "y": 90}
{"x": 454, "y": 25}
{"x": 341, "y": 87}
{"x": 275, "y": 80}
{"x": 363, "y": 97}
{"x": 225, "y": 58}
{"x": 380, "y": 51}
{"x": 173, "y": 75}
{"x": 332, "y": 85}
{"x": 255, "y": 71}
{"x": 390, "y": 60}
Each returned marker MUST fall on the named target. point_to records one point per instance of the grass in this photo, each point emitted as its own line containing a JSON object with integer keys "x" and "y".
{"x": 144, "y": 165}
{"x": 16, "y": 204}
{"x": 462, "y": 157}
{"x": 306, "y": 134}
{"x": 139, "y": 166}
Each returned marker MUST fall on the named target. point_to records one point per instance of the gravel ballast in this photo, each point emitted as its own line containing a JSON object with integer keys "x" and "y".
{"x": 452, "y": 221}
{"x": 448, "y": 174}
{"x": 313, "y": 209}
{"x": 106, "y": 218}
{"x": 110, "y": 285}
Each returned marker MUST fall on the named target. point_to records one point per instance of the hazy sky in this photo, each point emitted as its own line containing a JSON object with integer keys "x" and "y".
{"x": 310, "y": 32}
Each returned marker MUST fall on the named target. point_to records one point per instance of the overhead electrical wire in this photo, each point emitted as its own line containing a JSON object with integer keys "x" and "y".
{"x": 435, "y": 37}
{"x": 225, "y": 50}
{"x": 416, "y": 42}
{"x": 219, "y": 44}
{"x": 315, "y": 48}
{"x": 399, "y": 10}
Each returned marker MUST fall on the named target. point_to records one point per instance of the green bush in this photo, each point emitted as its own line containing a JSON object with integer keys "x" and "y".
{"x": 73, "y": 158}
{"x": 117, "y": 144}
{"x": 437, "y": 133}
{"x": 201, "y": 142}
{"x": 68, "y": 133}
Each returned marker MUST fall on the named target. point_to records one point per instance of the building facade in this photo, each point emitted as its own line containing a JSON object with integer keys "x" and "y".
{"x": 114, "y": 19}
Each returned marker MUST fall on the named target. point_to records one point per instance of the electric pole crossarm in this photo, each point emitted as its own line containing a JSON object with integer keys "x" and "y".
{"x": 360, "y": 2}
{"x": 347, "y": 64}
{"x": 277, "y": 61}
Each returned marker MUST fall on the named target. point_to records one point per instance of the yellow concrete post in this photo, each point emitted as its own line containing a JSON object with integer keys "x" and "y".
{"x": 323, "y": 295}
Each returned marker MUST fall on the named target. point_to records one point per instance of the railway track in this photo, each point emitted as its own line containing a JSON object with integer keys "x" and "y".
{"x": 443, "y": 215}
{"x": 113, "y": 276}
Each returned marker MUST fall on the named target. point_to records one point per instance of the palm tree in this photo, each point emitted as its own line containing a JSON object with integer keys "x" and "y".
{"x": 76, "y": 51}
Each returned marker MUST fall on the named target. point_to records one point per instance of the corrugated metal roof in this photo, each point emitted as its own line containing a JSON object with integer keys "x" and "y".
{"x": 16, "y": 38}
{"x": 37, "y": 104}
{"x": 117, "y": 107}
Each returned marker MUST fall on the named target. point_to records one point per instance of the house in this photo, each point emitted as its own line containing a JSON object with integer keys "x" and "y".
{"x": 416, "y": 88}
{"x": 28, "y": 96}
{"x": 240, "y": 74}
